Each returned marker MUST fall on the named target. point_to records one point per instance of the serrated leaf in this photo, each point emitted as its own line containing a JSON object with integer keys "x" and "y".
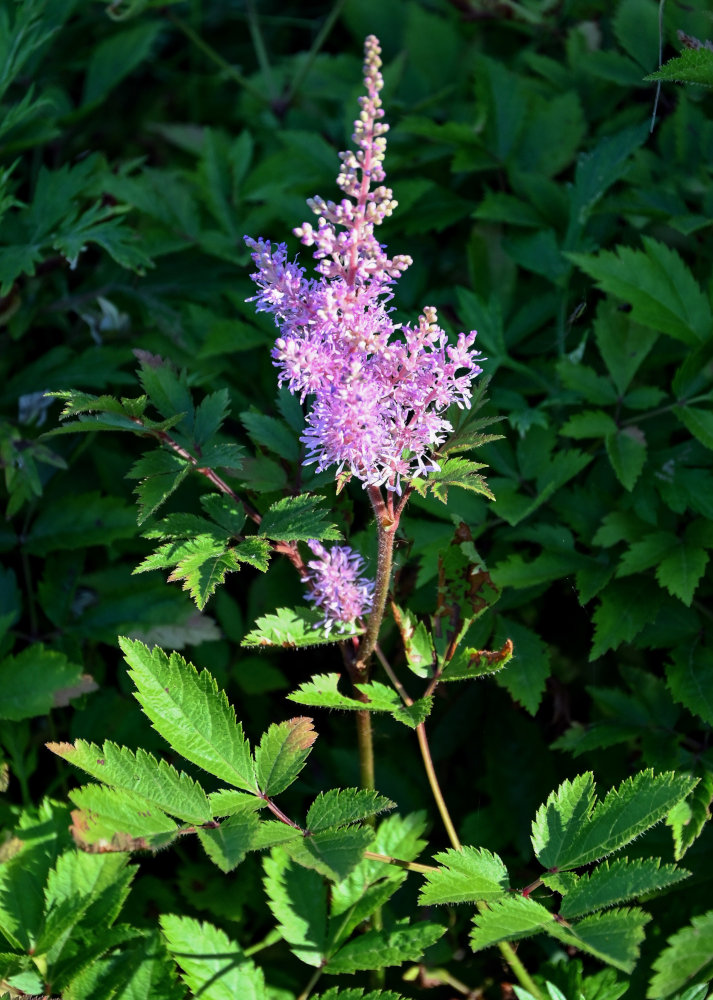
{"x": 613, "y": 937}
{"x": 528, "y": 663}
{"x": 681, "y": 571}
{"x": 298, "y": 519}
{"x": 298, "y": 899}
{"x": 509, "y": 919}
{"x": 212, "y": 966}
{"x": 688, "y": 818}
{"x": 627, "y": 453}
{"x": 203, "y": 565}
{"x": 690, "y": 679}
{"x": 32, "y": 681}
{"x": 273, "y": 434}
{"x": 623, "y": 880}
{"x": 282, "y": 753}
{"x": 210, "y": 414}
{"x": 415, "y": 714}
{"x": 622, "y": 612}
{"x": 332, "y": 853}
{"x": 466, "y": 876}
{"x": 191, "y": 713}
{"x": 646, "y": 552}
{"x": 570, "y": 831}
{"x": 454, "y": 472}
{"x": 227, "y": 802}
{"x": 81, "y": 520}
{"x": 116, "y": 816}
{"x": 223, "y": 510}
{"x": 418, "y": 644}
{"x": 161, "y": 473}
{"x": 294, "y": 627}
{"x": 167, "y": 390}
{"x": 698, "y": 421}
{"x": 156, "y": 781}
{"x": 687, "y": 959}
{"x": 589, "y": 424}
{"x": 254, "y": 551}
{"x": 692, "y": 66}
{"x": 358, "y": 994}
{"x": 379, "y": 949}
{"x": 342, "y": 807}
{"x": 321, "y": 692}
{"x": 660, "y": 288}
{"x": 469, "y": 662}
{"x": 227, "y": 843}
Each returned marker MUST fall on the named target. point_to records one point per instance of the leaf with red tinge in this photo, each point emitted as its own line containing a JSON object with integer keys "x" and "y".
{"x": 282, "y": 753}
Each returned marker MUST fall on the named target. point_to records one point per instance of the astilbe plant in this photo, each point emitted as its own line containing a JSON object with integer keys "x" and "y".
{"x": 385, "y": 406}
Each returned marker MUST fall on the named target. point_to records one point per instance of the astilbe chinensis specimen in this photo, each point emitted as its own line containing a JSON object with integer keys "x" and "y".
{"x": 378, "y": 391}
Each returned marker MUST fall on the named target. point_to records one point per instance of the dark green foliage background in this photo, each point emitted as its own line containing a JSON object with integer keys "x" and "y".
{"x": 139, "y": 142}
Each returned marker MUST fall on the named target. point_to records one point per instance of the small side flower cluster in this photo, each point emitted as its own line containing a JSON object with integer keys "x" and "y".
{"x": 337, "y": 586}
{"x": 379, "y": 391}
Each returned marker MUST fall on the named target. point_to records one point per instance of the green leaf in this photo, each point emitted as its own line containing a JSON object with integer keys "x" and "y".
{"x": 580, "y": 378}
{"x": 121, "y": 818}
{"x": 688, "y": 818}
{"x": 454, "y": 472}
{"x": 660, "y": 288}
{"x": 160, "y": 472}
{"x": 627, "y": 453}
{"x": 191, "y": 713}
{"x": 167, "y": 389}
{"x": 466, "y": 876}
{"x": 599, "y": 169}
{"x": 282, "y": 753}
{"x": 254, "y": 551}
{"x": 569, "y": 830}
{"x": 647, "y": 552}
{"x": 510, "y": 919}
{"x": 698, "y": 421}
{"x": 227, "y": 802}
{"x": 414, "y": 714}
{"x": 418, "y": 644}
{"x": 294, "y": 627}
{"x": 212, "y": 966}
{"x": 358, "y": 994}
{"x": 342, "y": 807}
{"x": 613, "y": 937}
{"x": 379, "y": 949}
{"x": 467, "y": 662}
{"x": 36, "y": 680}
{"x": 616, "y": 883}
{"x": 690, "y": 679}
{"x": 692, "y": 66}
{"x": 687, "y": 959}
{"x": 332, "y": 853}
{"x": 223, "y": 510}
{"x": 273, "y": 434}
{"x": 681, "y": 571}
{"x": 156, "y": 781}
{"x": 210, "y": 414}
{"x": 528, "y": 663}
{"x": 116, "y": 57}
{"x": 227, "y": 844}
{"x": 589, "y": 424}
{"x": 81, "y": 520}
{"x": 321, "y": 692}
{"x": 203, "y": 565}
{"x": 298, "y": 519}
{"x": 298, "y": 900}
{"x": 622, "y": 613}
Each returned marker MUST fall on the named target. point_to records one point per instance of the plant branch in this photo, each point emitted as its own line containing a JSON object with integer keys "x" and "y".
{"x": 411, "y": 866}
{"x": 215, "y": 57}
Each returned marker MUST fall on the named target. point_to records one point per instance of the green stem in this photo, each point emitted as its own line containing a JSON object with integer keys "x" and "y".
{"x": 314, "y": 51}
{"x": 365, "y": 744}
{"x": 261, "y": 51}
{"x": 386, "y": 528}
{"x": 506, "y": 950}
{"x": 314, "y": 979}
{"x": 272, "y": 937}
{"x": 215, "y": 57}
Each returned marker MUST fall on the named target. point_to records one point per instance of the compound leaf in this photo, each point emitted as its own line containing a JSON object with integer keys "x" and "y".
{"x": 342, "y": 807}
{"x": 190, "y": 712}
{"x": 617, "y": 883}
{"x": 466, "y": 876}
{"x": 212, "y": 966}
{"x": 298, "y": 519}
{"x": 687, "y": 959}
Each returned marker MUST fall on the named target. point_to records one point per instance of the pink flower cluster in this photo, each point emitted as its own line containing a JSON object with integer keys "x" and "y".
{"x": 379, "y": 391}
{"x": 336, "y": 585}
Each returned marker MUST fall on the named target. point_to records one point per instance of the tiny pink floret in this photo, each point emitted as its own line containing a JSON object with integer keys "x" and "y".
{"x": 378, "y": 391}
